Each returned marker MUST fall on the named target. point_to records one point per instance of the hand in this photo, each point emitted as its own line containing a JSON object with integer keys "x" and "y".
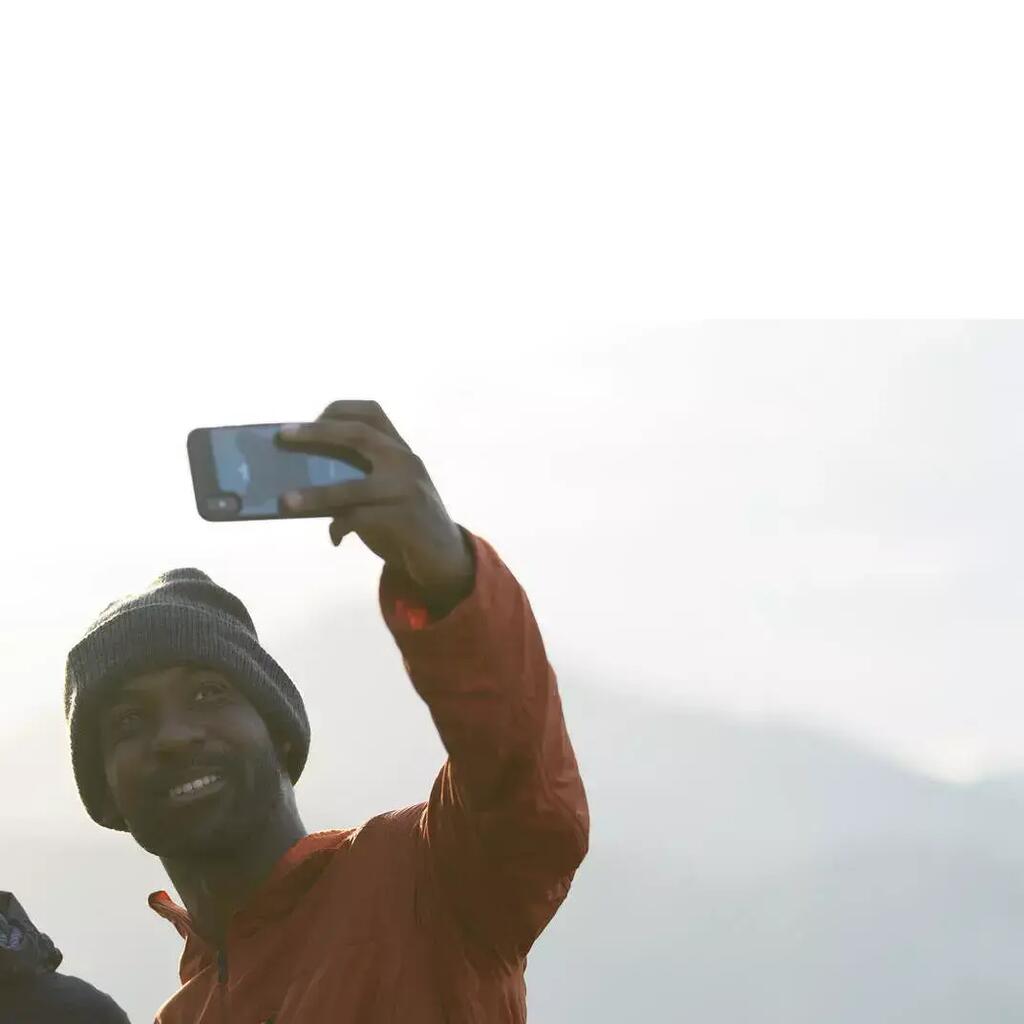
{"x": 395, "y": 510}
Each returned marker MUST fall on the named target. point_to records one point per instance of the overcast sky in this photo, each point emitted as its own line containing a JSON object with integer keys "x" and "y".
{"x": 498, "y": 222}
{"x": 817, "y": 520}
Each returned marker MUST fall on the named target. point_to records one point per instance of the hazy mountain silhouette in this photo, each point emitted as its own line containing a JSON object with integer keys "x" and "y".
{"x": 739, "y": 872}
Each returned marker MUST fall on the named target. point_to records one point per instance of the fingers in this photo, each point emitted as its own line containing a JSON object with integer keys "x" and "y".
{"x": 338, "y": 529}
{"x": 340, "y": 438}
{"x": 367, "y": 412}
{"x": 348, "y": 522}
{"x": 373, "y": 490}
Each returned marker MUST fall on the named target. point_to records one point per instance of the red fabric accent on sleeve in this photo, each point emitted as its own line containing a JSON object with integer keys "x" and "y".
{"x": 415, "y": 616}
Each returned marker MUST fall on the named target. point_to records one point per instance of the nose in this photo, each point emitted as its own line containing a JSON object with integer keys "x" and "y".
{"x": 175, "y": 732}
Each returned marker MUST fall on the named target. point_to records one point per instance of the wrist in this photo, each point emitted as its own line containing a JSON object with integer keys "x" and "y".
{"x": 450, "y": 580}
{"x": 439, "y": 600}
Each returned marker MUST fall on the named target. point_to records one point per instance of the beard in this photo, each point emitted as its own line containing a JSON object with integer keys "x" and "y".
{"x": 220, "y": 826}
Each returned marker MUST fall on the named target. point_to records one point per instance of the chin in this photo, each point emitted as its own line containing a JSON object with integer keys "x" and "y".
{"x": 187, "y": 844}
{"x": 222, "y": 835}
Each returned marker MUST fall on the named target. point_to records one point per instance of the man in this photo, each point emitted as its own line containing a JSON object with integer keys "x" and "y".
{"x": 188, "y": 735}
{"x": 31, "y": 989}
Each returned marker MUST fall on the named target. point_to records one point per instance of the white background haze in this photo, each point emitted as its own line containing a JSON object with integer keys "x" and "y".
{"x": 776, "y": 562}
{"x": 815, "y": 520}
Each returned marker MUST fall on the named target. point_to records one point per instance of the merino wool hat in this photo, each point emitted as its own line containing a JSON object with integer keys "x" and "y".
{"x": 183, "y": 617}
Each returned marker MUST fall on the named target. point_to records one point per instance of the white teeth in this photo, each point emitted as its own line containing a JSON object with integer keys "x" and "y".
{"x": 190, "y": 787}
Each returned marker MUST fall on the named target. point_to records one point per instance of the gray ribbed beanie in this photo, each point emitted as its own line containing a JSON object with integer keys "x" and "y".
{"x": 182, "y": 617}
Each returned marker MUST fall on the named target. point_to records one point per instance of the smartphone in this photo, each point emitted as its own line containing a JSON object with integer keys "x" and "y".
{"x": 240, "y": 473}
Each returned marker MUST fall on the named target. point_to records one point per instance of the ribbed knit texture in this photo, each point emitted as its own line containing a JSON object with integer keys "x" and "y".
{"x": 183, "y": 617}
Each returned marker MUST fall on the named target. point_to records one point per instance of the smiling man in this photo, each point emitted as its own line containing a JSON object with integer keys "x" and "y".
{"x": 188, "y": 735}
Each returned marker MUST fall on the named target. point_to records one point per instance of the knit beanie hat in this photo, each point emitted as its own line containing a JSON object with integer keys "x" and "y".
{"x": 183, "y": 617}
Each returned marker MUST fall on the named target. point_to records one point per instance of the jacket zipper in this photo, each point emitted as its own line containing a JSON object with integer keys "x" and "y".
{"x": 222, "y": 983}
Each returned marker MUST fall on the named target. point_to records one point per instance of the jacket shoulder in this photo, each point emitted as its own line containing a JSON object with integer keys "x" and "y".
{"x": 71, "y": 1000}
{"x": 401, "y": 824}
{"x": 391, "y": 842}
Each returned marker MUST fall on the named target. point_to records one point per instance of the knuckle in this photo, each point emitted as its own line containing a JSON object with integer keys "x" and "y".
{"x": 356, "y": 432}
{"x": 365, "y": 406}
{"x": 354, "y": 407}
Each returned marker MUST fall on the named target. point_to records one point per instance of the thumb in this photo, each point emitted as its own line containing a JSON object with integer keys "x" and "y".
{"x": 360, "y": 521}
{"x": 338, "y": 530}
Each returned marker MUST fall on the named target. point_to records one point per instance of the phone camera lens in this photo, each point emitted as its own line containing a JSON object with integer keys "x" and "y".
{"x": 223, "y": 504}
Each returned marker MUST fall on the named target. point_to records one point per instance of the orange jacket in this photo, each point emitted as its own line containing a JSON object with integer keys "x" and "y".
{"x": 423, "y": 915}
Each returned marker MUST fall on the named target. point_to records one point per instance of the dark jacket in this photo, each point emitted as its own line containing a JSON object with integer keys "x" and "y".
{"x": 31, "y": 990}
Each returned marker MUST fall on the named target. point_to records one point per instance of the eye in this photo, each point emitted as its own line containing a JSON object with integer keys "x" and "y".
{"x": 212, "y": 689}
{"x": 121, "y": 721}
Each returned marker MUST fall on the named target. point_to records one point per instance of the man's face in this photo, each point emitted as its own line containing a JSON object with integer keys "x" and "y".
{"x": 164, "y": 730}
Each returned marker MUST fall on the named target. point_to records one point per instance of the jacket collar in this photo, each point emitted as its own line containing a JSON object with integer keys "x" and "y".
{"x": 290, "y": 878}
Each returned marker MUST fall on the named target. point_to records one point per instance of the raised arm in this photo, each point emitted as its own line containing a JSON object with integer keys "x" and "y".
{"x": 507, "y": 823}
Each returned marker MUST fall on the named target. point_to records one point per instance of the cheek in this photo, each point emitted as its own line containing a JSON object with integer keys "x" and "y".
{"x": 119, "y": 774}
{"x": 247, "y": 735}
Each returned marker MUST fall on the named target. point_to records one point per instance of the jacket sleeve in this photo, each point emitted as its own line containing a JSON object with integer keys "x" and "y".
{"x": 507, "y": 823}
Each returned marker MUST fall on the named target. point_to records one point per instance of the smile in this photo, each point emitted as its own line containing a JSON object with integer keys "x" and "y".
{"x": 198, "y": 789}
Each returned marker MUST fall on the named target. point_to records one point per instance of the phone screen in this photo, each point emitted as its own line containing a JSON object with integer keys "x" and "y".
{"x": 250, "y": 467}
